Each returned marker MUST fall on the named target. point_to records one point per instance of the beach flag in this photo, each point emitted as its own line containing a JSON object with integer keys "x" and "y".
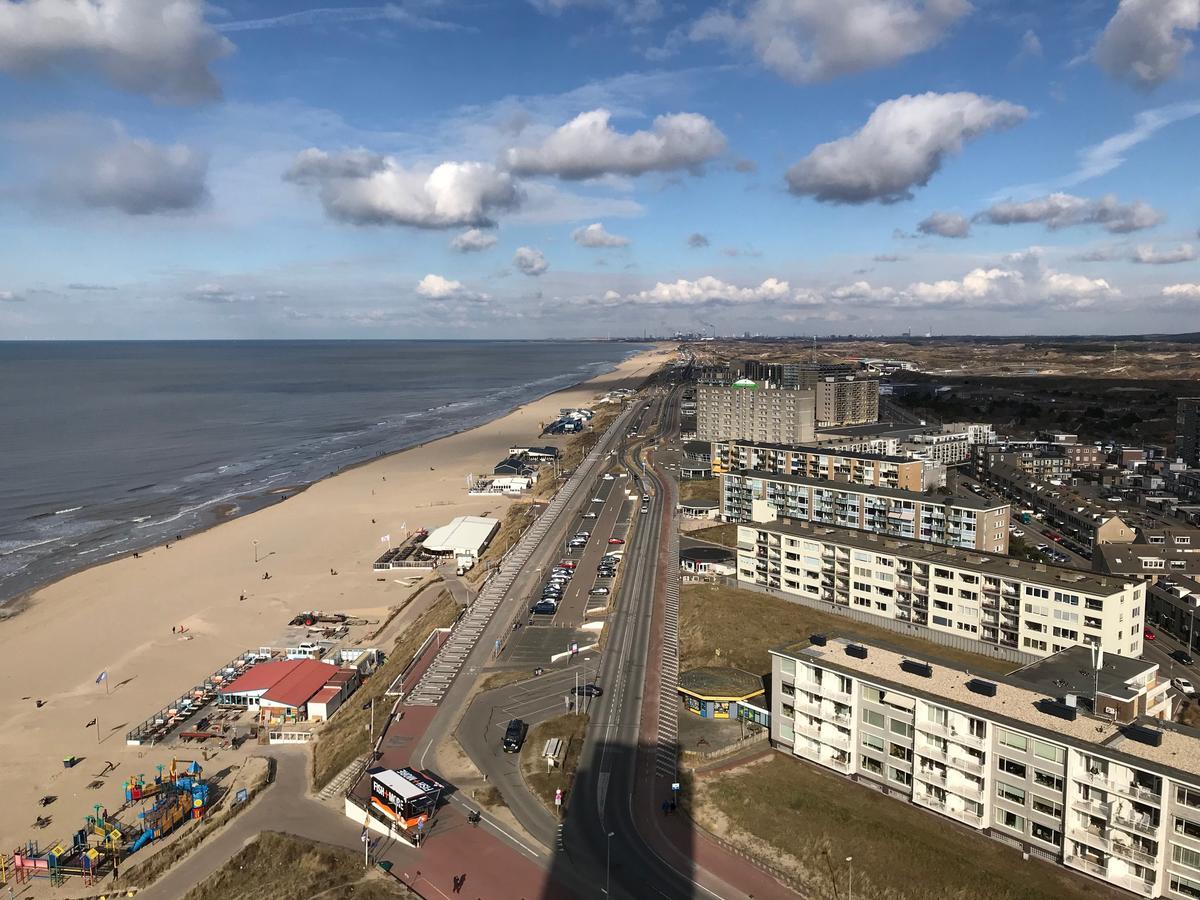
{"x": 386, "y": 539}
{"x": 103, "y": 676}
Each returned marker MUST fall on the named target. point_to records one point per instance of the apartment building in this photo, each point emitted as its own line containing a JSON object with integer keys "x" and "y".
{"x": 751, "y": 412}
{"x": 971, "y": 522}
{"x": 1149, "y": 561}
{"x": 947, "y": 445}
{"x": 1021, "y": 758}
{"x": 1034, "y": 608}
{"x": 1187, "y": 431}
{"x": 846, "y": 400}
{"x": 1172, "y": 603}
{"x": 824, "y": 462}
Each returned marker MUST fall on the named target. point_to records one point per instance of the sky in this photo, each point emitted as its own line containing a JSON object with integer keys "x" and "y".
{"x": 594, "y": 168}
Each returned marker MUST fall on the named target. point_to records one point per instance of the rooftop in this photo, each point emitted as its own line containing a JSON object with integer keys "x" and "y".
{"x": 824, "y": 451}
{"x": 1012, "y": 705}
{"x": 698, "y": 504}
{"x": 987, "y": 563}
{"x": 1123, "y": 558}
{"x": 471, "y": 532}
{"x": 1070, "y": 671}
{"x": 284, "y": 682}
{"x": 972, "y": 501}
{"x": 706, "y": 554}
{"x": 720, "y": 683}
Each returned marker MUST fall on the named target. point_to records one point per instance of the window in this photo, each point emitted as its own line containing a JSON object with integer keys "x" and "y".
{"x": 873, "y": 741}
{"x": 1046, "y": 806}
{"x": 1191, "y": 829}
{"x": 941, "y": 620}
{"x": 871, "y": 717}
{"x": 901, "y": 728}
{"x": 1012, "y": 768}
{"x": 899, "y": 775}
{"x": 1185, "y": 886}
{"x": 1187, "y": 797}
{"x": 1043, "y": 593}
{"x": 1010, "y": 793}
{"x": 1013, "y": 740}
{"x": 1186, "y": 857}
{"x": 896, "y": 751}
{"x": 1046, "y": 833}
{"x": 1049, "y": 752}
{"x": 1010, "y": 820}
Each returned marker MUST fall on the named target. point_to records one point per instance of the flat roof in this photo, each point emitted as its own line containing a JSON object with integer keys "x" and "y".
{"x": 720, "y": 683}
{"x": 973, "y": 501}
{"x": 408, "y": 783}
{"x": 821, "y": 450}
{"x": 706, "y": 554}
{"x": 698, "y": 504}
{"x": 1013, "y": 706}
{"x": 989, "y": 563}
{"x": 463, "y": 532}
{"x": 1071, "y": 671}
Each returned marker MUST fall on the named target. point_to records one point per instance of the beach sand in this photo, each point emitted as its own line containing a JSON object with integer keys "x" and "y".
{"x": 118, "y": 617}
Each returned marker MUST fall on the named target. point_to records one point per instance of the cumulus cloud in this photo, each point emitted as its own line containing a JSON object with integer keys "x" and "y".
{"x": 365, "y": 188}
{"x": 949, "y": 225}
{"x": 1061, "y": 210}
{"x": 901, "y": 146}
{"x": 814, "y": 40}
{"x": 708, "y": 289}
{"x": 435, "y": 287}
{"x": 1182, "y": 291}
{"x": 161, "y": 48}
{"x": 473, "y": 240}
{"x": 135, "y": 176}
{"x": 1153, "y": 256}
{"x": 1145, "y": 40}
{"x": 594, "y": 235}
{"x": 530, "y": 261}
{"x": 589, "y": 147}
{"x": 697, "y": 240}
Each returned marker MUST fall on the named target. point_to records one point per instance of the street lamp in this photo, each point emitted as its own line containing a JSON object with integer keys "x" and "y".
{"x": 608, "y": 862}
{"x": 850, "y": 877}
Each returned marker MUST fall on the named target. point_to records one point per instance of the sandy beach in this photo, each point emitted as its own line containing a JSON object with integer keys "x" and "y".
{"x": 118, "y": 617}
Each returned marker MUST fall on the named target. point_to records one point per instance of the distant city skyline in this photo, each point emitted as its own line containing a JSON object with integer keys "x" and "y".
{"x": 444, "y": 168}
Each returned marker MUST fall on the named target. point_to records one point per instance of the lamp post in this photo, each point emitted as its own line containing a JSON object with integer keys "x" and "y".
{"x": 608, "y": 862}
{"x": 850, "y": 878}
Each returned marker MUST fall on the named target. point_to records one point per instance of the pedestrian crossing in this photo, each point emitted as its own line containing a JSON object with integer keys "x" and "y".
{"x": 432, "y": 687}
{"x": 667, "y": 754}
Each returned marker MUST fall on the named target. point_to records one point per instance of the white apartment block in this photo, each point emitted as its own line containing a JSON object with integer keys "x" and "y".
{"x": 968, "y": 522}
{"x": 1019, "y": 758}
{"x": 751, "y": 412}
{"x": 1030, "y": 607}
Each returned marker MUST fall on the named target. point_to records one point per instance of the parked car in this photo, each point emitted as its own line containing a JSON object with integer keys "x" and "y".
{"x": 1183, "y": 686}
{"x": 1018, "y": 532}
{"x": 597, "y": 499}
{"x": 615, "y": 541}
{"x": 588, "y": 690}
{"x": 1148, "y": 634}
{"x": 608, "y": 476}
{"x": 514, "y": 736}
{"x": 598, "y": 592}
{"x": 1182, "y": 656}
{"x": 544, "y": 608}
{"x": 567, "y": 564}
{"x": 589, "y": 515}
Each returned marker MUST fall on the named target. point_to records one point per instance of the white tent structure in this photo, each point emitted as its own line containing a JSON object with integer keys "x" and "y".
{"x": 463, "y": 536}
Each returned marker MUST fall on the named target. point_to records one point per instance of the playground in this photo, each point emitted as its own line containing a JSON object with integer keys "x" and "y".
{"x": 151, "y": 810}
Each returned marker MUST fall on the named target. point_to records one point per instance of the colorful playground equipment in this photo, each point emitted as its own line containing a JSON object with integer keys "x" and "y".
{"x": 102, "y": 843}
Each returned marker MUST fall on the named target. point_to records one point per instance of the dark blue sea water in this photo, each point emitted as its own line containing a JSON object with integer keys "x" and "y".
{"x": 108, "y": 447}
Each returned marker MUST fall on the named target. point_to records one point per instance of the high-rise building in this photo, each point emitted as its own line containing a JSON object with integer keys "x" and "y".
{"x": 1187, "y": 431}
{"x": 844, "y": 395}
{"x": 827, "y": 462}
{"x": 749, "y": 411}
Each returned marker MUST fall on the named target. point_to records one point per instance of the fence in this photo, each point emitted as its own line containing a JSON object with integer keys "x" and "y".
{"x": 404, "y": 681}
{"x": 958, "y": 642}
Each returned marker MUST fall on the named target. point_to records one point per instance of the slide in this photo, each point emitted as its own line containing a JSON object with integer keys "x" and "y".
{"x": 145, "y": 838}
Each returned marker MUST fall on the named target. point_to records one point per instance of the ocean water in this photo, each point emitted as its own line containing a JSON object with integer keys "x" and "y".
{"x": 109, "y": 447}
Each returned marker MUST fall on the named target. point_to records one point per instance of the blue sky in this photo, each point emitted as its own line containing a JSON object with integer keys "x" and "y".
{"x": 593, "y": 167}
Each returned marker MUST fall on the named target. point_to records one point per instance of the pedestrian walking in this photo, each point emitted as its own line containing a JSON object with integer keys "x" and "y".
{"x": 456, "y": 884}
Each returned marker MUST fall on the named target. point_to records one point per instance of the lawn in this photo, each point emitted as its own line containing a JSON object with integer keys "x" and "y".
{"x": 571, "y": 728}
{"x": 700, "y": 489}
{"x": 725, "y": 535}
{"x": 519, "y": 515}
{"x": 344, "y": 738}
{"x": 720, "y": 625}
{"x": 805, "y": 822}
{"x": 282, "y": 867}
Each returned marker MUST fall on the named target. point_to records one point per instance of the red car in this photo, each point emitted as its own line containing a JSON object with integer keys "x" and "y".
{"x": 567, "y": 564}
{"x": 1148, "y": 634}
{"x": 615, "y": 541}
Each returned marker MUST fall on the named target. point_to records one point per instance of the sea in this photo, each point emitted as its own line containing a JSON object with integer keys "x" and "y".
{"x": 111, "y": 447}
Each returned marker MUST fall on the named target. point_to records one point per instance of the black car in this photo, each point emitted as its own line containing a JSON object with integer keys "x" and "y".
{"x": 514, "y": 736}
{"x": 544, "y": 608}
{"x": 605, "y": 573}
{"x": 588, "y": 690}
{"x": 1184, "y": 657}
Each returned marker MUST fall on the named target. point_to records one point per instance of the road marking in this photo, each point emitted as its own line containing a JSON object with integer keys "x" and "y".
{"x": 602, "y": 791}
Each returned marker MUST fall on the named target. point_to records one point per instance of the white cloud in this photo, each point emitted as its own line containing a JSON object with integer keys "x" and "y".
{"x": 473, "y": 240}
{"x": 1100, "y": 159}
{"x": 392, "y": 14}
{"x": 10, "y": 297}
{"x": 530, "y": 261}
{"x": 1145, "y": 40}
{"x": 161, "y": 48}
{"x": 594, "y": 235}
{"x": 1031, "y": 46}
{"x": 366, "y": 188}
{"x": 708, "y": 289}
{"x": 135, "y": 176}
{"x": 696, "y": 240}
{"x": 218, "y": 294}
{"x": 1182, "y": 291}
{"x": 900, "y": 147}
{"x": 589, "y": 147}
{"x": 949, "y": 225}
{"x": 632, "y": 12}
{"x": 1153, "y": 256}
{"x": 435, "y": 287}
{"x": 813, "y": 40}
{"x": 1061, "y": 210}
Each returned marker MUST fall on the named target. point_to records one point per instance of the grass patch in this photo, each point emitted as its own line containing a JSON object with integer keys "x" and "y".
{"x": 1190, "y": 714}
{"x": 504, "y": 679}
{"x": 344, "y": 737}
{"x": 796, "y": 818}
{"x": 700, "y": 489}
{"x": 490, "y": 798}
{"x": 278, "y": 866}
{"x": 571, "y": 729}
{"x": 725, "y": 535}
{"x": 517, "y": 518}
{"x": 720, "y": 625}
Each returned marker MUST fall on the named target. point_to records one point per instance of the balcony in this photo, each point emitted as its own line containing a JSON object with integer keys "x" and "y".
{"x": 963, "y": 764}
{"x": 930, "y": 752}
{"x": 1127, "y": 851}
{"x": 934, "y": 728}
{"x": 1130, "y": 789}
{"x": 967, "y": 789}
{"x": 839, "y": 718}
{"x": 931, "y": 774}
{"x": 1092, "y": 808}
{"x": 1097, "y": 779}
{"x": 836, "y": 739}
{"x": 1135, "y": 884}
{"x": 1136, "y": 825}
{"x": 968, "y": 740}
{"x": 1090, "y": 836}
{"x": 1087, "y": 865}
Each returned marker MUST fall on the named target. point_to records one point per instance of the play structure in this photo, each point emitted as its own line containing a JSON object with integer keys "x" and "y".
{"x": 177, "y": 794}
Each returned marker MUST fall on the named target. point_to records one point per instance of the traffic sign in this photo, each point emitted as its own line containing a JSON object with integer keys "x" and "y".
{"x": 675, "y": 785}
{"x": 558, "y": 796}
